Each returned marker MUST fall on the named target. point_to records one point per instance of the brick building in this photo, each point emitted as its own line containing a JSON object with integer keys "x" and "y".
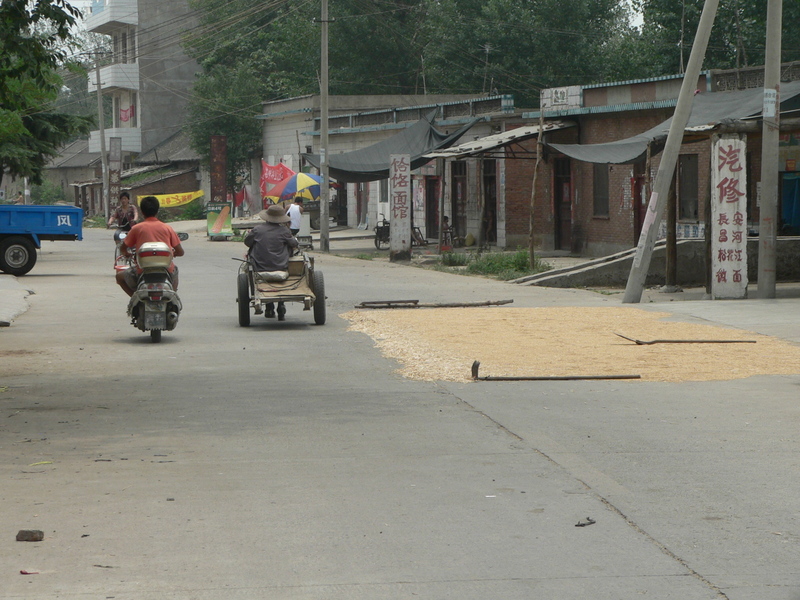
{"x": 597, "y": 170}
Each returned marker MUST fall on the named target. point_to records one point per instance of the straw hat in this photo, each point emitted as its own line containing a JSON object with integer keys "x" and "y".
{"x": 274, "y": 214}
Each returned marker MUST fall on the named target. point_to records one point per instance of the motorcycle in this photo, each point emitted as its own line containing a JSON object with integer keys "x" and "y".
{"x": 155, "y": 305}
{"x": 121, "y": 261}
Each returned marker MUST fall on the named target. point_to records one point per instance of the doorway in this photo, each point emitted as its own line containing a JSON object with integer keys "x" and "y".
{"x": 432, "y": 187}
{"x": 790, "y": 204}
{"x": 490, "y": 201}
{"x": 459, "y": 197}
{"x": 639, "y": 201}
{"x": 362, "y": 204}
{"x": 562, "y": 202}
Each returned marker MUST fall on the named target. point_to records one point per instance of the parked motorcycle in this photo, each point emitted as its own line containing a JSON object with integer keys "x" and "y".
{"x": 155, "y": 305}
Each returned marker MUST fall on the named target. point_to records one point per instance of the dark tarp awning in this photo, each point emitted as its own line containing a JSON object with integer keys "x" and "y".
{"x": 708, "y": 110}
{"x": 372, "y": 163}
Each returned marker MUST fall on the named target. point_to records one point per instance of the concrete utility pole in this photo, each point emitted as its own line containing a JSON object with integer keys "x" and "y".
{"x": 771, "y": 117}
{"x": 103, "y": 156}
{"x": 669, "y": 158}
{"x": 324, "y": 192}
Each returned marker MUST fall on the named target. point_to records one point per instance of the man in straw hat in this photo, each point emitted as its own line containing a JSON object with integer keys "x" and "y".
{"x": 269, "y": 245}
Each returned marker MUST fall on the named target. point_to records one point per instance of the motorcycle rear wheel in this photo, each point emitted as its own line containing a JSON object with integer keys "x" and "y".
{"x": 155, "y": 335}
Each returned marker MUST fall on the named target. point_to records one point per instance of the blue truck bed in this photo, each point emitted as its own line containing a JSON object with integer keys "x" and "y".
{"x": 22, "y": 228}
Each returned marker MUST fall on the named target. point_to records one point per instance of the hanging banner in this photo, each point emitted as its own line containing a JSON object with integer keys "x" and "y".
{"x": 272, "y": 174}
{"x": 400, "y": 207}
{"x": 173, "y": 200}
{"x": 728, "y": 218}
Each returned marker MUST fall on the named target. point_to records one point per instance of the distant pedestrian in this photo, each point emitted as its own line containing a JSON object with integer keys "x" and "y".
{"x": 295, "y": 212}
{"x": 20, "y": 199}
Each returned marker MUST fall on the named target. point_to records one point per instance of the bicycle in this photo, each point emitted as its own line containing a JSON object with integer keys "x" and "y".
{"x": 382, "y": 233}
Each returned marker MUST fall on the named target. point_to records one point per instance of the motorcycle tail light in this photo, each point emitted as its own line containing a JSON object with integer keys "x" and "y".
{"x": 155, "y": 296}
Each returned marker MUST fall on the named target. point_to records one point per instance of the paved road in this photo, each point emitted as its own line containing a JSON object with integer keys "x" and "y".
{"x": 287, "y": 460}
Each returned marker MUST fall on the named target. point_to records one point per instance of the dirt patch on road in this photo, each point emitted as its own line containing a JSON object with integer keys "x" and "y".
{"x": 441, "y": 344}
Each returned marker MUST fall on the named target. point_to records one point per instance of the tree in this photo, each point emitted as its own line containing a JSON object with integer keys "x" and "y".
{"x": 738, "y": 38}
{"x": 30, "y": 131}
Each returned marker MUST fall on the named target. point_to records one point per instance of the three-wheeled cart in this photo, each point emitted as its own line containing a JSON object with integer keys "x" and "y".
{"x": 304, "y": 284}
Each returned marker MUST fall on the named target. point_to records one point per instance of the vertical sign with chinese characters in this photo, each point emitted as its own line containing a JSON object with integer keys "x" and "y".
{"x": 400, "y": 206}
{"x": 114, "y": 168}
{"x": 728, "y": 218}
{"x": 219, "y": 168}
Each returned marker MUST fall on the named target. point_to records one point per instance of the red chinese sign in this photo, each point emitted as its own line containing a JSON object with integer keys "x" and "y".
{"x": 729, "y": 218}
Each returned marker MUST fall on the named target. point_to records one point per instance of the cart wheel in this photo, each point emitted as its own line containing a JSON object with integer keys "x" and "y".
{"x": 155, "y": 335}
{"x": 381, "y": 242}
{"x": 243, "y": 299}
{"x": 319, "y": 300}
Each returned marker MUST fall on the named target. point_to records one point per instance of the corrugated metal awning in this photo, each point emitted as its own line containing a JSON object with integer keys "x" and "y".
{"x": 497, "y": 140}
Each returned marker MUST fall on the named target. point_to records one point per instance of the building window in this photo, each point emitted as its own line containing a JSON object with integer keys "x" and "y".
{"x": 132, "y": 53}
{"x": 600, "y": 190}
{"x": 687, "y": 188}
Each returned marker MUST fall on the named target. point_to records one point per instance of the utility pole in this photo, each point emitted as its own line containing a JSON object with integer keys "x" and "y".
{"x": 324, "y": 192}
{"x": 103, "y": 156}
{"x": 486, "y": 48}
{"x": 669, "y": 158}
{"x": 771, "y": 117}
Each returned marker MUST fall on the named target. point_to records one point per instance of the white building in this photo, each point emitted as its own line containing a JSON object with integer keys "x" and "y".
{"x": 149, "y": 76}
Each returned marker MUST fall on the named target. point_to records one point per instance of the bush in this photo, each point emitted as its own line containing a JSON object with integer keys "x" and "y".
{"x": 505, "y": 265}
{"x": 194, "y": 211}
{"x": 455, "y": 259}
{"x": 47, "y": 193}
{"x": 97, "y": 221}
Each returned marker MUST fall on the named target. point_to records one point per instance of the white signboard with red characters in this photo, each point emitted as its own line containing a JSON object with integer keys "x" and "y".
{"x": 728, "y": 218}
{"x": 400, "y": 206}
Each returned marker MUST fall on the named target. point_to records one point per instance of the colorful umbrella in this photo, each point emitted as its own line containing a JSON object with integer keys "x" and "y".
{"x": 299, "y": 184}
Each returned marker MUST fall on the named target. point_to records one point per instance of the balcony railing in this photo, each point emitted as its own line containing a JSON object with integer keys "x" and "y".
{"x": 121, "y": 75}
{"x": 112, "y": 14}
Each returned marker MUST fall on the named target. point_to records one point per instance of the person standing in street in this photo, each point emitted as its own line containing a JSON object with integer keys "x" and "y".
{"x": 295, "y": 212}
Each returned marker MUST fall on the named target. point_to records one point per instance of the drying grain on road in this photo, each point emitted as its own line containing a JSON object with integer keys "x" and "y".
{"x": 441, "y": 344}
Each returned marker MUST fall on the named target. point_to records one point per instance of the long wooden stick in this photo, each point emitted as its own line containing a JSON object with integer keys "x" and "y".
{"x": 476, "y": 365}
{"x": 418, "y": 304}
{"x": 649, "y": 342}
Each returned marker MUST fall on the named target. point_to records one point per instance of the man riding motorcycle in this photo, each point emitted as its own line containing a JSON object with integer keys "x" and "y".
{"x": 149, "y": 230}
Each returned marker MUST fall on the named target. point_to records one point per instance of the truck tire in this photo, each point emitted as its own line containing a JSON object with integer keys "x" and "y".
{"x": 17, "y": 255}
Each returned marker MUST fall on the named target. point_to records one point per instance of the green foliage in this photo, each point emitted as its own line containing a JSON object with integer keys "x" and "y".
{"x": 96, "y": 222}
{"x": 47, "y": 193}
{"x": 193, "y": 211}
{"x": 455, "y": 259}
{"x": 505, "y": 265}
{"x": 738, "y": 37}
{"x": 30, "y": 131}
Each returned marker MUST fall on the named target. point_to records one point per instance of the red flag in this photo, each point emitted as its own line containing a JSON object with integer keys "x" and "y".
{"x": 241, "y": 196}
{"x": 272, "y": 174}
